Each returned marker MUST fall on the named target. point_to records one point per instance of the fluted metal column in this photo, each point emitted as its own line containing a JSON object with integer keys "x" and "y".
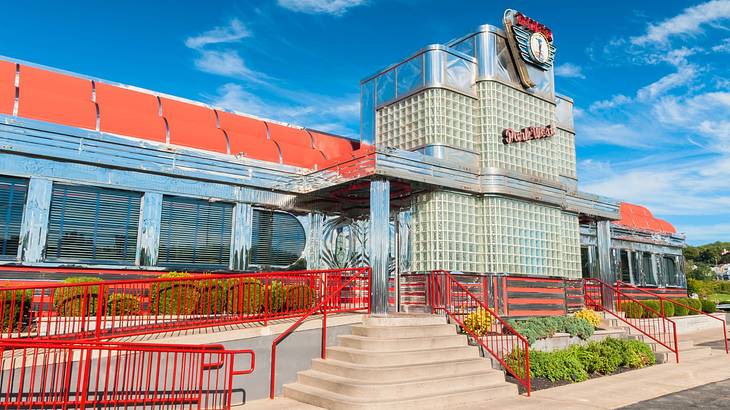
{"x": 379, "y": 244}
{"x": 34, "y": 227}
{"x": 603, "y": 249}
{"x": 148, "y": 236}
{"x": 241, "y": 238}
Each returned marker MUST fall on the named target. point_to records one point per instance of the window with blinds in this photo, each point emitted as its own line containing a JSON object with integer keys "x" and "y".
{"x": 278, "y": 239}
{"x": 12, "y": 202}
{"x": 195, "y": 232}
{"x": 92, "y": 224}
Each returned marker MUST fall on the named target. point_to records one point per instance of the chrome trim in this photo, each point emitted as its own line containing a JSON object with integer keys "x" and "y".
{"x": 148, "y": 233}
{"x": 241, "y": 236}
{"x": 34, "y": 225}
{"x": 379, "y": 249}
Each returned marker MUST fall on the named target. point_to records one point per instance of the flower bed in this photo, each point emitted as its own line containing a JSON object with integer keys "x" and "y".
{"x": 579, "y": 363}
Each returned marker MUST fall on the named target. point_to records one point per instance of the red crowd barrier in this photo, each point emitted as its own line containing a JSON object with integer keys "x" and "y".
{"x": 60, "y": 374}
{"x": 657, "y": 327}
{"x": 102, "y": 310}
{"x": 495, "y": 335}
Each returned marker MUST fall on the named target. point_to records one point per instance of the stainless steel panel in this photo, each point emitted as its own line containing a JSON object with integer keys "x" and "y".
{"x": 34, "y": 227}
{"x": 148, "y": 238}
{"x": 241, "y": 236}
{"x": 564, "y": 113}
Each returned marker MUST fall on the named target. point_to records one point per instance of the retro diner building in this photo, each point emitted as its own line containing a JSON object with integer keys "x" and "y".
{"x": 465, "y": 162}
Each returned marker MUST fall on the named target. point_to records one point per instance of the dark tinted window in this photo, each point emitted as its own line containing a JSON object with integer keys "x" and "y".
{"x": 12, "y": 202}
{"x": 278, "y": 239}
{"x": 94, "y": 224}
{"x": 195, "y": 232}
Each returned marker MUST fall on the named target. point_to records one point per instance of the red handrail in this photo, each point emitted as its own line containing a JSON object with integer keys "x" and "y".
{"x": 117, "y": 308}
{"x": 505, "y": 344}
{"x": 40, "y": 374}
{"x": 658, "y": 328}
{"x": 326, "y": 298}
{"x": 675, "y": 302}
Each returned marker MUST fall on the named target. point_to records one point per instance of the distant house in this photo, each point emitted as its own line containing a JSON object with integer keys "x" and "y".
{"x": 722, "y": 272}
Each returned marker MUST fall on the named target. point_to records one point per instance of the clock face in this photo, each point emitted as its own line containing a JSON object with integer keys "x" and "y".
{"x": 539, "y": 48}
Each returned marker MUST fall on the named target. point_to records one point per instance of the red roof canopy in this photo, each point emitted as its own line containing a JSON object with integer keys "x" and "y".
{"x": 639, "y": 217}
{"x": 65, "y": 99}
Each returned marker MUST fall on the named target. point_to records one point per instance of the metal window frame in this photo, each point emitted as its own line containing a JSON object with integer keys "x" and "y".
{"x": 259, "y": 266}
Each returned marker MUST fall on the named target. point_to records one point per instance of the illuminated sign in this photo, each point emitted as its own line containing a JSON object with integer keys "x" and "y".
{"x": 529, "y": 42}
{"x": 527, "y": 134}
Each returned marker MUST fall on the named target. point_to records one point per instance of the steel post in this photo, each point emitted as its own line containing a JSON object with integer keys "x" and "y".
{"x": 379, "y": 244}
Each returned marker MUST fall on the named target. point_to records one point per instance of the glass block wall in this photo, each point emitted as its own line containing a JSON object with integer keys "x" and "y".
{"x": 446, "y": 232}
{"x": 571, "y": 246}
{"x": 500, "y": 107}
{"x": 565, "y": 142}
{"x": 432, "y": 116}
{"x": 522, "y": 237}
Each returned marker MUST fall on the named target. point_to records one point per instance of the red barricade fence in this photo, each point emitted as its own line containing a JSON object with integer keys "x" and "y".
{"x": 62, "y": 374}
{"x": 106, "y": 309}
{"x": 481, "y": 323}
{"x": 656, "y": 326}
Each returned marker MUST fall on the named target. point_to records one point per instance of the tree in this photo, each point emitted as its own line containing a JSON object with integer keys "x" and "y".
{"x": 691, "y": 253}
{"x": 700, "y": 271}
{"x": 710, "y": 255}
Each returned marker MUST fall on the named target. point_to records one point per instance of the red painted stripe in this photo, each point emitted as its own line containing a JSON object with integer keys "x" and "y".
{"x": 531, "y": 301}
{"x": 536, "y": 312}
{"x": 536, "y": 290}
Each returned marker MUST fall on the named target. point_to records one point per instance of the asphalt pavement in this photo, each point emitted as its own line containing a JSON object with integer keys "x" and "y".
{"x": 708, "y": 396}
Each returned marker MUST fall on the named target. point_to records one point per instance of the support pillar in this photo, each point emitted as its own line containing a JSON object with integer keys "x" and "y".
{"x": 603, "y": 249}
{"x": 34, "y": 226}
{"x": 315, "y": 238}
{"x": 379, "y": 244}
{"x": 148, "y": 233}
{"x": 241, "y": 236}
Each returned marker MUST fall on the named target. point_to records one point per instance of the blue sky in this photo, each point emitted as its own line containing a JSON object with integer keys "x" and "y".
{"x": 651, "y": 80}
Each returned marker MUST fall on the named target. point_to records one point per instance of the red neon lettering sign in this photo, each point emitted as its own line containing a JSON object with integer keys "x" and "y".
{"x": 533, "y": 25}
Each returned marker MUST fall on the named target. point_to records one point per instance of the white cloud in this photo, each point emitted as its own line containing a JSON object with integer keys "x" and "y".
{"x": 689, "y": 22}
{"x": 723, "y": 47}
{"x": 336, "y": 115}
{"x": 704, "y": 117}
{"x": 228, "y": 63}
{"x": 233, "y": 32}
{"x": 683, "y": 76}
{"x": 613, "y": 102}
{"x": 592, "y": 130}
{"x": 333, "y": 7}
{"x": 569, "y": 70}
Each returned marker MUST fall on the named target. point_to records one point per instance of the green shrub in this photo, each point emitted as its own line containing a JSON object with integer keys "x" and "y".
{"x": 637, "y": 354}
{"x": 275, "y": 296}
{"x": 478, "y": 322}
{"x": 557, "y": 365}
{"x": 77, "y": 300}
{"x": 696, "y": 304}
{"x": 15, "y": 303}
{"x": 543, "y": 327}
{"x": 299, "y": 297}
{"x": 681, "y": 310}
{"x": 708, "y": 306}
{"x": 633, "y": 310}
{"x": 668, "y": 308}
{"x": 123, "y": 304}
{"x": 245, "y": 296}
{"x": 608, "y": 356}
{"x": 652, "y": 308}
{"x": 213, "y": 297}
{"x": 174, "y": 297}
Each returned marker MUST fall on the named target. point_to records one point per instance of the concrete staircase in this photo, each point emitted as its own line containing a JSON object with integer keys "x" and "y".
{"x": 401, "y": 362}
{"x": 687, "y": 348}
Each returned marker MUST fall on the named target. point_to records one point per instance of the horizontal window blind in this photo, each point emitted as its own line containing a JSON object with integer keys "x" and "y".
{"x": 12, "y": 202}
{"x": 195, "y": 232}
{"x": 93, "y": 224}
{"x": 278, "y": 238}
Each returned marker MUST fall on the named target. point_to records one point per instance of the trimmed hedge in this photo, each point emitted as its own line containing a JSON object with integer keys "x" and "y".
{"x": 681, "y": 310}
{"x": 632, "y": 309}
{"x": 543, "y": 327}
{"x": 276, "y": 295}
{"x": 708, "y": 306}
{"x": 695, "y": 303}
{"x": 77, "y": 300}
{"x": 171, "y": 298}
{"x": 299, "y": 297}
{"x": 122, "y": 304}
{"x": 14, "y": 304}
{"x": 245, "y": 296}
{"x": 213, "y": 297}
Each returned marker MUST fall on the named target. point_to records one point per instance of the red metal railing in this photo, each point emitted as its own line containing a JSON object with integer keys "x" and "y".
{"x": 358, "y": 281}
{"x": 656, "y": 327}
{"x": 508, "y": 347}
{"x": 102, "y": 310}
{"x": 619, "y": 284}
{"x": 61, "y": 375}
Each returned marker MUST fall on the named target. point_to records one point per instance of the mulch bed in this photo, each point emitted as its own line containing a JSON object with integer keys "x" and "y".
{"x": 541, "y": 383}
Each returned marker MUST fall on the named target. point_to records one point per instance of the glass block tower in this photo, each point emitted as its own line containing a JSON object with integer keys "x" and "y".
{"x": 456, "y": 103}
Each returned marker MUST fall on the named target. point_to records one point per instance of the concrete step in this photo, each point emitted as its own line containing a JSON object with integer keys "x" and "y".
{"x": 395, "y": 332}
{"x": 400, "y": 344}
{"x": 409, "y": 389}
{"x": 405, "y": 357}
{"x": 396, "y": 319}
{"x": 395, "y": 373}
{"x": 457, "y": 397}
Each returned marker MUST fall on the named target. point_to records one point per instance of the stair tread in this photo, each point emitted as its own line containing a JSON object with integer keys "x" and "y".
{"x": 403, "y": 383}
{"x": 399, "y": 366}
{"x": 329, "y": 395}
{"x": 399, "y": 339}
{"x": 398, "y": 352}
